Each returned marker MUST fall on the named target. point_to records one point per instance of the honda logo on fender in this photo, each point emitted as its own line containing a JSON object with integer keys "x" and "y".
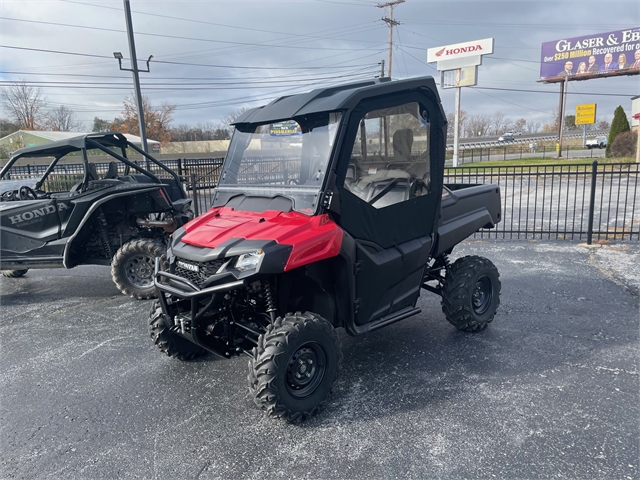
{"x": 35, "y": 213}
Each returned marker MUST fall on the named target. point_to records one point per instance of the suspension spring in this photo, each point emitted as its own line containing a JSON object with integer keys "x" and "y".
{"x": 104, "y": 236}
{"x": 268, "y": 295}
{"x": 445, "y": 261}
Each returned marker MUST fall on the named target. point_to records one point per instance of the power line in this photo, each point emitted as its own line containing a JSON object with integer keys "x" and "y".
{"x": 553, "y": 92}
{"x": 547, "y": 26}
{"x": 165, "y": 62}
{"x": 177, "y": 37}
{"x": 172, "y": 18}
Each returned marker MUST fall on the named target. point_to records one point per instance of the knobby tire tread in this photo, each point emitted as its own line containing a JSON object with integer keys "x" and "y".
{"x": 170, "y": 343}
{"x": 271, "y": 351}
{"x": 456, "y": 292}
{"x": 154, "y": 248}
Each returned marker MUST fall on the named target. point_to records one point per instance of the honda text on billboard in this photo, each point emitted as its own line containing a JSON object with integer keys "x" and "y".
{"x": 591, "y": 56}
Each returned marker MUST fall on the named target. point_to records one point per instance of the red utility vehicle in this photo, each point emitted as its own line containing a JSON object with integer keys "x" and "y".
{"x": 330, "y": 212}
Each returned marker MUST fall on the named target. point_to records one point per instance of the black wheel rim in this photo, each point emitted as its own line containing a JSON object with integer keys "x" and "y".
{"x": 305, "y": 370}
{"x": 139, "y": 270}
{"x": 482, "y": 295}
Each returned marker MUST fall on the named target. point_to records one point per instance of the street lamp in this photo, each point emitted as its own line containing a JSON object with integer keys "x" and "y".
{"x": 119, "y": 57}
{"x": 134, "y": 70}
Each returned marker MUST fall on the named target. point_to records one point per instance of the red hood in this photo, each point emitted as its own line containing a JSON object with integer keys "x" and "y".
{"x": 312, "y": 238}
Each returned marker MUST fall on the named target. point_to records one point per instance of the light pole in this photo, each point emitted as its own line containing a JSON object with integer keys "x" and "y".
{"x": 134, "y": 69}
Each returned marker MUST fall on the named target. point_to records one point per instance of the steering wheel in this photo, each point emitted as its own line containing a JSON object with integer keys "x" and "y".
{"x": 293, "y": 181}
{"x": 384, "y": 191}
{"x": 27, "y": 193}
{"x": 417, "y": 184}
{"x": 8, "y": 196}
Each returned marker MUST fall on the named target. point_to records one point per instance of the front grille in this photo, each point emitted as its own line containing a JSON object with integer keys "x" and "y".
{"x": 205, "y": 269}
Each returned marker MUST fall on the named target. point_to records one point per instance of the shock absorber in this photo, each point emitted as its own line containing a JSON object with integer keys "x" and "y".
{"x": 446, "y": 262}
{"x": 268, "y": 296}
{"x": 104, "y": 236}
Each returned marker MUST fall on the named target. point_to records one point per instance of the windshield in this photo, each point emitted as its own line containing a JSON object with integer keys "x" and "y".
{"x": 288, "y": 158}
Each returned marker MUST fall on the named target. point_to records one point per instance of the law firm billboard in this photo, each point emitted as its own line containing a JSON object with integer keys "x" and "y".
{"x": 591, "y": 56}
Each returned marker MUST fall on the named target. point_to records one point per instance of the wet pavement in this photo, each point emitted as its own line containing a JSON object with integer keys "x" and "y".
{"x": 549, "y": 390}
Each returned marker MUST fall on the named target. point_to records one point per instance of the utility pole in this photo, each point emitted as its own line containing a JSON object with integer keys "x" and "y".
{"x": 392, "y": 23}
{"x": 562, "y": 106}
{"x": 456, "y": 123}
{"x": 136, "y": 77}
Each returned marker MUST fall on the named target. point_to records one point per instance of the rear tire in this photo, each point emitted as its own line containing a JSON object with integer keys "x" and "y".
{"x": 133, "y": 266}
{"x": 171, "y": 344}
{"x": 14, "y": 273}
{"x": 294, "y": 366}
{"x": 471, "y": 293}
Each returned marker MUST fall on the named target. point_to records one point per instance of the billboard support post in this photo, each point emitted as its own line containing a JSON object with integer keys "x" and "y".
{"x": 561, "y": 107}
{"x": 456, "y": 132}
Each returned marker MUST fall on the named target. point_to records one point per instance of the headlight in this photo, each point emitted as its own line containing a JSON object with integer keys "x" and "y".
{"x": 249, "y": 261}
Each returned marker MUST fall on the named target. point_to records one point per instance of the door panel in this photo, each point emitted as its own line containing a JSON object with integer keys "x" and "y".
{"x": 389, "y": 280}
{"x": 27, "y": 226}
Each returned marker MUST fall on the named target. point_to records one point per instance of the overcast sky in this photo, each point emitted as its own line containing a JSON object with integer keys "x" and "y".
{"x": 212, "y": 57}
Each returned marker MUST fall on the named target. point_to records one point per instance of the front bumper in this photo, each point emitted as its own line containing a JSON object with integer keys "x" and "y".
{"x": 187, "y": 290}
{"x": 187, "y": 323}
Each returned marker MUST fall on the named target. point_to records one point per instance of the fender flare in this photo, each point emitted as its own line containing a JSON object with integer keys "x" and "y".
{"x": 88, "y": 215}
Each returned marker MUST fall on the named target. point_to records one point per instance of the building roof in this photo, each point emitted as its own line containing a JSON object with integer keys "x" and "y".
{"x": 57, "y": 136}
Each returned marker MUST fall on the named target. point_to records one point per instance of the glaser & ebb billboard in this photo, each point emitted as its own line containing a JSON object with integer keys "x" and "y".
{"x": 600, "y": 55}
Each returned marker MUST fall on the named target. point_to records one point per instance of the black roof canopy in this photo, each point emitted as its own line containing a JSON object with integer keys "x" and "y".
{"x": 331, "y": 99}
{"x": 60, "y": 148}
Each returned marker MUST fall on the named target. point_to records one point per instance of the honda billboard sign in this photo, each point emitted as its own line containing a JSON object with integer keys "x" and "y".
{"x": 460, "y": 50}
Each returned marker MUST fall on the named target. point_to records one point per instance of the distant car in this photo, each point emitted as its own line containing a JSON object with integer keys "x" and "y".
{"x": 598, "y": 142}
{"x": 506, "y": 137}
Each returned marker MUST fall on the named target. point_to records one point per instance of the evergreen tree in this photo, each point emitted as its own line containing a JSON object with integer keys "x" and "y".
{"x": 618, "y": 125}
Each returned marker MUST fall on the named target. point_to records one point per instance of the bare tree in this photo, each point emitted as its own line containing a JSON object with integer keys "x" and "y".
{"x": 25, "y": 105}
{"x": 63, "y": 119}
{"x": 499, "y": 123}
{"x": 201, "y": 132}
{"x": 229, "y": 118}
{"x": 451, "y": 120}
{"x": 533, "y": 127}
{"x": 157, "y": 119}
{"x": 100, "y": 125}
{"x": 479, "y": 124}
{"x": 520, "y": 125}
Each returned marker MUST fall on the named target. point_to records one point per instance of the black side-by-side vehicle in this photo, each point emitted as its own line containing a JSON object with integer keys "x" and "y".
{"x": 67, "y": 218}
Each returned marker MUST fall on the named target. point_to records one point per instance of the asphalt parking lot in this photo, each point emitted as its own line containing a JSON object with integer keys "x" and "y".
{"x": 549, "y": 390}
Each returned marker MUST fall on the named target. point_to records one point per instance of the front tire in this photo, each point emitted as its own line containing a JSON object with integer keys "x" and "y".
{"x": 471, "y": 293}
{"x": 169, "y": 343}
{"x": 294, "y": 366}
{"x": 14, "y": 273}
{"x": 133, "y": 266}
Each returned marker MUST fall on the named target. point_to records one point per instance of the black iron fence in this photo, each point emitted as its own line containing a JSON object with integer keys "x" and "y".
{"x": 568, "y": 201}
{"x": 574, "y": 202}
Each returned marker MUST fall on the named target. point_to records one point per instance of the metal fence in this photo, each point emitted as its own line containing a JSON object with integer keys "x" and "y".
{"x": 574, "y": 202}
{"x": 567, "y": 201}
